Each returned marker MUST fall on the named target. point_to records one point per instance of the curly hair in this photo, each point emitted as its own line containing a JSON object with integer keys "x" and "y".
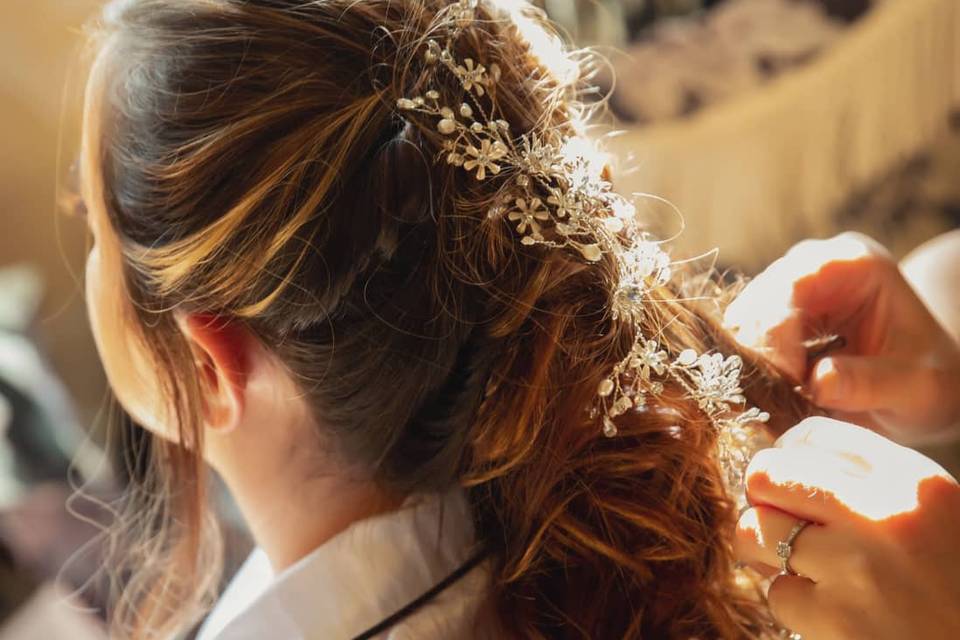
{"x": 254, "y": 168}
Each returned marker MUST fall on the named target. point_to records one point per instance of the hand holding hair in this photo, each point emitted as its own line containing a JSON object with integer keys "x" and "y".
{"x": 865, "y": 534}
{"x": 890, "y": 365}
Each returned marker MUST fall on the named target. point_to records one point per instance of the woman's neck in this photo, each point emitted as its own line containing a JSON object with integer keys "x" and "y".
{"x": 290, "y": 515}
{"x": 291, "y": 502}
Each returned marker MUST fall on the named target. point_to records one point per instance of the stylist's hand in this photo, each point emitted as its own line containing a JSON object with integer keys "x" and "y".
{"x": 882, "y": 559}
{"x": 899, "y": 370}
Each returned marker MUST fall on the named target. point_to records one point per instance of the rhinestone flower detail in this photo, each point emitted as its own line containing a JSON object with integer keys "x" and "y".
{"x": 472, "y": 76}
{"x": 484, "y": 158}
{"x": 558, "y": 199}
{"x": 528, "y": 215}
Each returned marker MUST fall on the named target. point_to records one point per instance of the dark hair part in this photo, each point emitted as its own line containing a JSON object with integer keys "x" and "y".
{"x": 254, "y": 169}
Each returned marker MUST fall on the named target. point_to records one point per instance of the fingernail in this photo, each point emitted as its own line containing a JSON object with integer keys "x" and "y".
{"x": 826, "y": 381}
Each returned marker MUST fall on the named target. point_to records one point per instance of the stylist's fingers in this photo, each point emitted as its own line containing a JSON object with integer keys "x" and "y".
{"x": 808, "y": 482}
{"x": 818, "y": 285}
{"x": 762, "y": 319}
{"x": 839, "y": 437}
{"x": 793, "y": 602}
{"x": 760, "y": 528}
{"x": 860, "y": 453}
{"x": 857, "y": 383}
{"x": 881, "y": 556}
{"x": 835, "y": 277}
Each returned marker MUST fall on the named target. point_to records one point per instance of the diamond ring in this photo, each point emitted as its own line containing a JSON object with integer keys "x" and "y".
{"x": 785, "y": 548}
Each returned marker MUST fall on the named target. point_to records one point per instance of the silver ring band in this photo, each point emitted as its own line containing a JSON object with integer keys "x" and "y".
{"x": 785, "y": 548}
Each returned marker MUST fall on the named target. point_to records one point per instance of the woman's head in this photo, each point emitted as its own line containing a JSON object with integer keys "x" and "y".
{"x": 248, "y": 176}
{"x": 246, "y": 162}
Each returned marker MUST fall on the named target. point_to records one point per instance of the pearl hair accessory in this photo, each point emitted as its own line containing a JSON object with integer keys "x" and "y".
{"x": 557, "y": 198}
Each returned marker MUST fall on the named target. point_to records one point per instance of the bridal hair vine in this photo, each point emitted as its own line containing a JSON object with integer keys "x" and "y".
{"x": 557, "y": 198}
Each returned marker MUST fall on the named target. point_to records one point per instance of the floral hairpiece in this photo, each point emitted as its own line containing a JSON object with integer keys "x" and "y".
{"x": 557, "y": 198}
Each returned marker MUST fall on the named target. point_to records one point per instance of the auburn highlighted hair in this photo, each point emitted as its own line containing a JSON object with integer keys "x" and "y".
{"x": 254, "y": 168}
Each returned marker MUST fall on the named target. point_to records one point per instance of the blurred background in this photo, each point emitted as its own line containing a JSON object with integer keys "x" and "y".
{"x": 762, "y": 121}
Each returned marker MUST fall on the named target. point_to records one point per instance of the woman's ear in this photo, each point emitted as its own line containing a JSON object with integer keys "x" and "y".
{"x": 222, "y": 351}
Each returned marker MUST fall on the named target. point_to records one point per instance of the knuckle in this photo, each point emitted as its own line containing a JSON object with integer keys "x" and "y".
{"x": 913, "y": 530}
{"x": 936, "y": 483}
{"x": 866, "y": 246}
{"x": 758, "y": 482}
{"x": 861, "y": 570}
{"x": 906, "y": 533}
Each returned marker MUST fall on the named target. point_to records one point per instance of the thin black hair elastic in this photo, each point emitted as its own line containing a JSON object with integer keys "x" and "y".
{"x": 428, "y": 595}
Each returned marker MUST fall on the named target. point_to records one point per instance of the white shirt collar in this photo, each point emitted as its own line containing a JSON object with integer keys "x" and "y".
{"x": 356, "y": 579}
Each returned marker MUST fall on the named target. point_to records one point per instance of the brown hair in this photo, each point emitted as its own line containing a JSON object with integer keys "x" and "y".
{"x": 254, "y": 168}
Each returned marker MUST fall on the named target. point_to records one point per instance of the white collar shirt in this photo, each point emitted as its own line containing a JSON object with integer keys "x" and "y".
{"x": 362, "y": 576}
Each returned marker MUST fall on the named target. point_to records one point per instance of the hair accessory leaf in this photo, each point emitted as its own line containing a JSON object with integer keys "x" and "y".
{"x": 559, "y": 199}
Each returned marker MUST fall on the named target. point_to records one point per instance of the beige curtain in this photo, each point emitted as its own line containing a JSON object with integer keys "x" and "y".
{"x": 751, "y": 175}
